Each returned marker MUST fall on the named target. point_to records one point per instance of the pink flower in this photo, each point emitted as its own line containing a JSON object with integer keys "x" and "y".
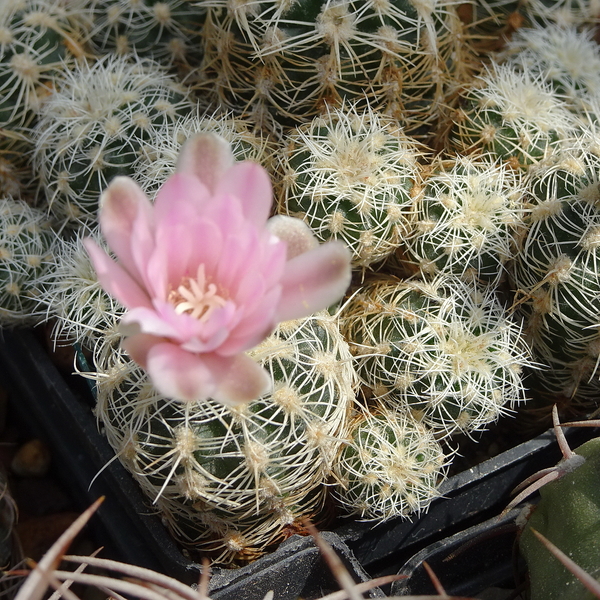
{"x": 206, "y": 275}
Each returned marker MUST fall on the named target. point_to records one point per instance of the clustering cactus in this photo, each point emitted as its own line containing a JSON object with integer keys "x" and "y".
{"x": 351, "y": 175}
{"x": 233, "y": 480}
{"x": 166, "y": 31}
{"x": 94, "y": 127}
{"x": 445, "y": 351}
{"x": 557, "y": 278}
{"x": 512, "y": 114}
{"x": 466, "y": 218}
{"x": 26, "y": 246}
{"x": 391, "y": 467}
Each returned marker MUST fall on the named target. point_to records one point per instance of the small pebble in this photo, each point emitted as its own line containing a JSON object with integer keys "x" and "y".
{"x": 31, "y": 460}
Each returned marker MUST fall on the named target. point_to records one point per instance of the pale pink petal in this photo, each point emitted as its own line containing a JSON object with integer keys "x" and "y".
{"x": 294, "y": 232}
{"x": 314, "y": 280}
{"x": 207, "y": 156}
{"x": 114, "y": 279}
{"x": 255, "y": 325}
{"x": 125, "y": 212}
{"x": 181, "y": 197}
{"x": 138, "y": 346}
{"x": 239, "y": 379}
{"x": 178, "y": 374}
{"x": 149, "y": 321}
{"x": 250, "y": 183}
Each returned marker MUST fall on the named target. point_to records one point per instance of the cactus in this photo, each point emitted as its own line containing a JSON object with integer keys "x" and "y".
{"x": 232, "y": 481}
{"x": 567, "y": 57}
{"x": 445, "y": 351}
{"x": 94, "y": 126}
{"x": 390, "y": 467}
{"x": 466, "y": 218}
{"x": 350, "y": 175}
{"x": 166, "y": 31}
{"x": 556, "y": 275}
{"x": 288, "y": 60}
{"x": 568, "y": 514}
{"x": 26, "y": 246}
{"x": 37, "y": 38}
{"x": 512, "y": 114}
{"x": 82, "y": 311}
{"x": 159, "y": 154}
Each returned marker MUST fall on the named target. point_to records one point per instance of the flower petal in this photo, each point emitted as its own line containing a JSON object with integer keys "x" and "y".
{"x": 250, "y": 184}
{"x": 126, "y": 215}
{"x": 314, "y": 280}
{"x": 179, "y": 374}
{"x": 294, "y": 232}
{"x": 114, "y": 279}
{"x": 207, "y": 156}
{"x": 239, "y": 379}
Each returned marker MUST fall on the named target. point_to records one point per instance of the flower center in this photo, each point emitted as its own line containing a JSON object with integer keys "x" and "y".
{"x": 196, "y": 297}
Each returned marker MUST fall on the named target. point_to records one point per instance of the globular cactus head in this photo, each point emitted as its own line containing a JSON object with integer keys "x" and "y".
{"x": 159, "y": 153}
{"x": 26, "y": 249}
{"x": 446, "y": 351}
{"x": 93, "y": 127}
{"x": 465, "y": 219}
{"x": 167, "y": 31}
{"x": 512, "y": 114}
{"x": 351, "y": 175}
{"x": 233, "y": 481}
{"x": 390, "y": 466}
{"x": 38, "y": 38}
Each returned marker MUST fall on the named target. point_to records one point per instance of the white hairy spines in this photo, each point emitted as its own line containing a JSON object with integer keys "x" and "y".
{"x": 93, "y": 127}
{"x": 445, "y": 351}
{"x": 159, "y": 152}
{"x": 26, "y": 246}
{"x": 556, "y": 273}
{"x": 565, "y": 56}
{"x": 350, "y": 175}
{"x": 232, "y": 480}
{"x": 391, "y": 466}
{"x": 466, "y": 218}
{"x": 83, "y": 312}
{"x": 512, "y": 114}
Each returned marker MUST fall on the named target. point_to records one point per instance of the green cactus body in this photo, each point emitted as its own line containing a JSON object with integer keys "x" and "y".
{"x": 556, "y": 275}
{"x": 37, "y": 38}
{"x": 26, "y": 246}
{"x": 289, "y": 58}
{"x": 93, "y": 129}
{"x": 513, "y": 115}
{"x": 568, "y": 514}
{"x": 232, "y": 481}
{"x": 466, "y": 218}
{"x": 166, "y": 31}
{"x": 390, "y": 467}
{"x": 350, "y": 175}
{"x": 445, "y": 351}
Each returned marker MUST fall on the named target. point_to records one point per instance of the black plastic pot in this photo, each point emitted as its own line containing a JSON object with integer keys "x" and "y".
{"x": 126, "y": 526}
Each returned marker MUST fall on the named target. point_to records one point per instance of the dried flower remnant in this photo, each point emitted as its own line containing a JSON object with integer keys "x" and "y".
{"x": 204, "y": 276}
